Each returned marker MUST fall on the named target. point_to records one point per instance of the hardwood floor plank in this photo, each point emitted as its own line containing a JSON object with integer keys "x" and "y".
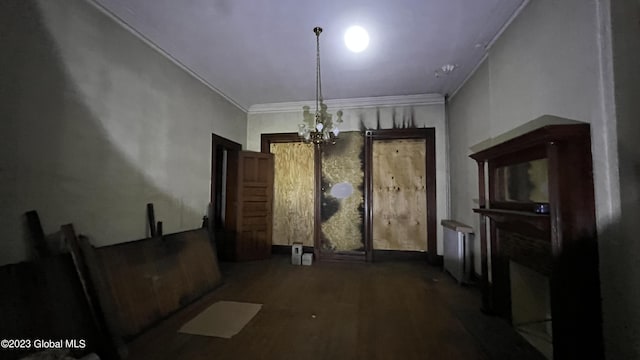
{"x": 386, "y": 310}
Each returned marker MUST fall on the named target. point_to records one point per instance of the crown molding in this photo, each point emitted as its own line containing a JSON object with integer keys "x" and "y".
{"x": 489, "y": 46}
{"x": 352, "y": 103}
{"x": 162, "y": 52}
{"x": 529, "y": 126}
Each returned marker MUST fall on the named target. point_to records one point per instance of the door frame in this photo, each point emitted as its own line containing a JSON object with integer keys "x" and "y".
{"x": 266, "y": 141}
{"x": 429, "y": 135}
{"x": 265, "y": 146}
{"x": 216, "y": 227}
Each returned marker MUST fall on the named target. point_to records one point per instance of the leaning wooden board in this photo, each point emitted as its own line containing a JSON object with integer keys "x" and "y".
{"x": 151, "y": 278}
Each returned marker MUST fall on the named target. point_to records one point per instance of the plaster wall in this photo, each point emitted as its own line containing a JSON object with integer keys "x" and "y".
{"x": 619, "y": 247}
{"x": 96, "y": 123}
{"x": 558, "y": 58}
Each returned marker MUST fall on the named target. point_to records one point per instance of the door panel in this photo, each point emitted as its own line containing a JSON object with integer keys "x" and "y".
{"x": 253, "y": 205}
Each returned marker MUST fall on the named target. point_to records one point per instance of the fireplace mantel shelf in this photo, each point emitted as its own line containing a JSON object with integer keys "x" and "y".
{"x": 538, "y": 225}
{"x": 503, "y": 212}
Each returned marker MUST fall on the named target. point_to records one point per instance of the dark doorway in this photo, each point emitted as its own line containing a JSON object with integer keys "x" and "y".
{"x": 221, "y": 150}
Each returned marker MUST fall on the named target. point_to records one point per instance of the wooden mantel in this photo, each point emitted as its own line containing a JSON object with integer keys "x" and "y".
{"x": 540, "y": 222}
{"x": 560, "y": 244}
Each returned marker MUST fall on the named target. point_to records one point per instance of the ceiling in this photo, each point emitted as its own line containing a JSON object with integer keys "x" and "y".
{"x": 263, "y": 51}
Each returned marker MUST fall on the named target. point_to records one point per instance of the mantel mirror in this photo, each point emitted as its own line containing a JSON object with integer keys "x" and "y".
{"x": 523, "y": 182}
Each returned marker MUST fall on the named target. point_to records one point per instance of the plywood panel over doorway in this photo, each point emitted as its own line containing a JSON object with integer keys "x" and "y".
{"x": 342, "y": 197}
{"x": 293, "y": 193}
{"x": 399, "y": 195}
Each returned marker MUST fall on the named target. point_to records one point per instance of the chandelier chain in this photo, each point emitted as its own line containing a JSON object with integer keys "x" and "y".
{"x": 318, "y": 75}
{"x": 319, "y": 128}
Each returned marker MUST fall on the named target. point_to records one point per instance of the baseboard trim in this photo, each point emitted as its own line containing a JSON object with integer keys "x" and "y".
{"x": 399, "y": 255}
{"x": 348, "y": 256}
{"x": 286, "y": 249}
{"x": 378, "y": 255}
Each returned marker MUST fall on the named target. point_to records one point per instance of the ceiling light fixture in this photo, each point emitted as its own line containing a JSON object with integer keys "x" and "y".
{"x": 319, "y": 128}
{"x": 446, "y": 69}
{"x": 356, "y": 39}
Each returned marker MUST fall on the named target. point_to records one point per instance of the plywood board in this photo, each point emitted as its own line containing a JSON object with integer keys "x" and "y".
{"x": 342, "y": 194}
{"x": 293, "y": 193}
{"x": 151, "y": 278}
{"x": 399, "y": 195}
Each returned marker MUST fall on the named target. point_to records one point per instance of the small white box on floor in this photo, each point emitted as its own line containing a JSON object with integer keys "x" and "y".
{"x": 296, "y": 254}
{"x": 307, "y": 259}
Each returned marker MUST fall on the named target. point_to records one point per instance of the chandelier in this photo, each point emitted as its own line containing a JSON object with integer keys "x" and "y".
{"x": 319, "y": 128}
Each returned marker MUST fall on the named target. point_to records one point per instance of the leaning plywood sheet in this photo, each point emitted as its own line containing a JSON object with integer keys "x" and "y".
{"x": 152, "y": 278}
{"x": 399, "y": 195}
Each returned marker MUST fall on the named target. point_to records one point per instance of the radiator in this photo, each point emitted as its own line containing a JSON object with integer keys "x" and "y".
{"x": 457, "y": 254}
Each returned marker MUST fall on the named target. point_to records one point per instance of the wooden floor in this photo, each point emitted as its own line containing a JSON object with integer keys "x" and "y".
{"x": 384, "y": 310}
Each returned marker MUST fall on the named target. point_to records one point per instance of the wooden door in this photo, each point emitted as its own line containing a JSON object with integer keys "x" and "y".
{"x": 252, "y": 205}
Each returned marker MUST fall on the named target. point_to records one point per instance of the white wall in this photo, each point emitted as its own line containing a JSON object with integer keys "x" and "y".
{"x": 469, "y": 124}
{"x": 96, "y": 124}
{"x": 555, "y": 58}
{"x": 620, "y": 252}
{"x": 546, "y": 62}
{"x": 423, "y": 116}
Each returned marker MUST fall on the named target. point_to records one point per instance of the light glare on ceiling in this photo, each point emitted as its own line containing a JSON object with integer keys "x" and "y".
{"x": 356, "y": 39}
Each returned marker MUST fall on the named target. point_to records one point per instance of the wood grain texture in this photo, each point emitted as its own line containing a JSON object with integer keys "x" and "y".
{"x": 385, "y": 310}
{"x": 254, "y": 206}
{"x": 428, "y": 135}
{"x": 399, "y": 195}
{"x": 561, "y": 244}
{"x": 111, "y": 345}
{"x": 294, "y": 196}
{"x": 342, "y": 218}
{"x": 152, "y": 278}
